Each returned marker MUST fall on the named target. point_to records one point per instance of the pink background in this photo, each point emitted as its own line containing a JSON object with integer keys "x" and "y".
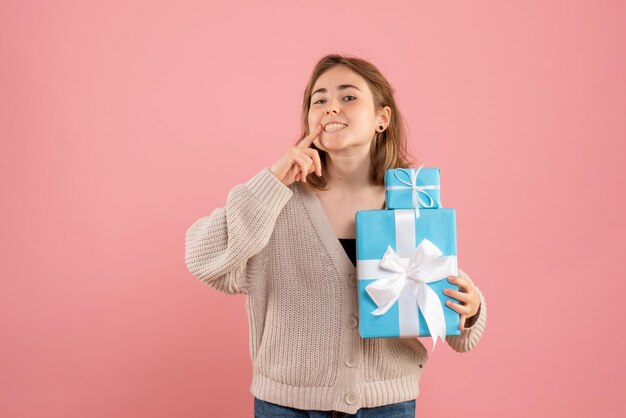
{"x": 122, "y": 123}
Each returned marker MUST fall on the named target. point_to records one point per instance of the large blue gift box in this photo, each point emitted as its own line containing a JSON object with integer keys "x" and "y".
{"x": 404, "y": 260}
{"x": 407, "y": 188}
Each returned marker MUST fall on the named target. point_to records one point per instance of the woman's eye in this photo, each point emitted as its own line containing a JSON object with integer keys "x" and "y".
{"x": 320, "y": 100}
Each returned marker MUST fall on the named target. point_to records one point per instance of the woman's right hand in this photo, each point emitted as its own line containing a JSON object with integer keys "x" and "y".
{"x": 299, "y": 160}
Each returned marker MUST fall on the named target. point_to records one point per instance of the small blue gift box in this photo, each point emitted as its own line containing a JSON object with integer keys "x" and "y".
{"x": 387, "y": 244}
{"x": 407, "y": 188}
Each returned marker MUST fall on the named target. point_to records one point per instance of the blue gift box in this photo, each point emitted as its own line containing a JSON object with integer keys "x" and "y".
{"x": 401, "y": 231}
{"x": 407, "y": 188}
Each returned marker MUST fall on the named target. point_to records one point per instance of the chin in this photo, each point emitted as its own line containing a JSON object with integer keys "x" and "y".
{"x": 333, "y": 146}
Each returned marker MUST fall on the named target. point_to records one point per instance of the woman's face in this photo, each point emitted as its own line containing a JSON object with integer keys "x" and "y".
{"x": 341, "y": 95}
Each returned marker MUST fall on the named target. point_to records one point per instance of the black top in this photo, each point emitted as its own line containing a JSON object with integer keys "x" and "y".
{"x": 349, "y": 245}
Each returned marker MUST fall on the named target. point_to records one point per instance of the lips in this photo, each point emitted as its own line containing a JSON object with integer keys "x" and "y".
{"x": 334, "y": 126}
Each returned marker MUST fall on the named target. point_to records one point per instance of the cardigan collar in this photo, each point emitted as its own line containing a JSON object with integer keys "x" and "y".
{"x": 324, "y": 228}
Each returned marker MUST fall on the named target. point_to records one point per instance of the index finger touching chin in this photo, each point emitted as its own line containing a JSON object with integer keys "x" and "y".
{"x": 308, "y": 140}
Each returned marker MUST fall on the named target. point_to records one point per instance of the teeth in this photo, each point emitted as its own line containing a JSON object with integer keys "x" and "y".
{"x": 334, "y": 127}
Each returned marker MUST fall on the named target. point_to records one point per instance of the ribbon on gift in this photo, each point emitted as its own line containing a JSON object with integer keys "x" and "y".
{"x": 403, "y": 278}
{"x": 411, "y": 183}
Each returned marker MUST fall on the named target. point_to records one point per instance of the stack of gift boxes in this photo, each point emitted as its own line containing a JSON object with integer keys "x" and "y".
{"x": 405, "y": 254}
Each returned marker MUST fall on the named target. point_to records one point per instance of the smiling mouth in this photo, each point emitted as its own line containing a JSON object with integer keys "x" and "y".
{"x": 335, "y": 127}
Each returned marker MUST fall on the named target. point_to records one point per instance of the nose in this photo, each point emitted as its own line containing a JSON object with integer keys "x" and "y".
{"x": 331, "y": 109}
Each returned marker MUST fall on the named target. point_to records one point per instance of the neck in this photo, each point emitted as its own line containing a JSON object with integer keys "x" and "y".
{"x": 349, "y": 172}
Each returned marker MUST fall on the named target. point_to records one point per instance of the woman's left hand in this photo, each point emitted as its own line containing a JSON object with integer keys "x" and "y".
{"x": 468, "y": 296}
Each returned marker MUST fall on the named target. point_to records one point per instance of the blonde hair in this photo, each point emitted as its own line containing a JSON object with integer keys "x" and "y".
{"x": 389, "y": 148}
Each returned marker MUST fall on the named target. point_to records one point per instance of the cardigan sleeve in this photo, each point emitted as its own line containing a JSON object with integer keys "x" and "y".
{"x": 469, "y": 337}
{"x": 218, "y": 246}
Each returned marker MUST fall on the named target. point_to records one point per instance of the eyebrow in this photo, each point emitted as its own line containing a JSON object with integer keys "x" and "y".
{"x": 341, "y": 87}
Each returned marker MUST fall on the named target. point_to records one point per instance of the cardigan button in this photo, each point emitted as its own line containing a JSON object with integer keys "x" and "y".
{"x": 351, "y": 279}
{"x": 351, "y": 361}
{"x": 352, "y": 321}
{"x": 351, "y": 397}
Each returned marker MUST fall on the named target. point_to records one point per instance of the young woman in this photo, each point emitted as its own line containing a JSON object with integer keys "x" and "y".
{"x": 286, "y": 239}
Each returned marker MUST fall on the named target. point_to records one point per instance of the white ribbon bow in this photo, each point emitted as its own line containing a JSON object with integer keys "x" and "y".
{"x": 416, "y": 190}
{"x": 427, "y": 264}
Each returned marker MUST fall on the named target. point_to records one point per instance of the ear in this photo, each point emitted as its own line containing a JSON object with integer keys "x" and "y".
{"x": 384, "y": 116}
